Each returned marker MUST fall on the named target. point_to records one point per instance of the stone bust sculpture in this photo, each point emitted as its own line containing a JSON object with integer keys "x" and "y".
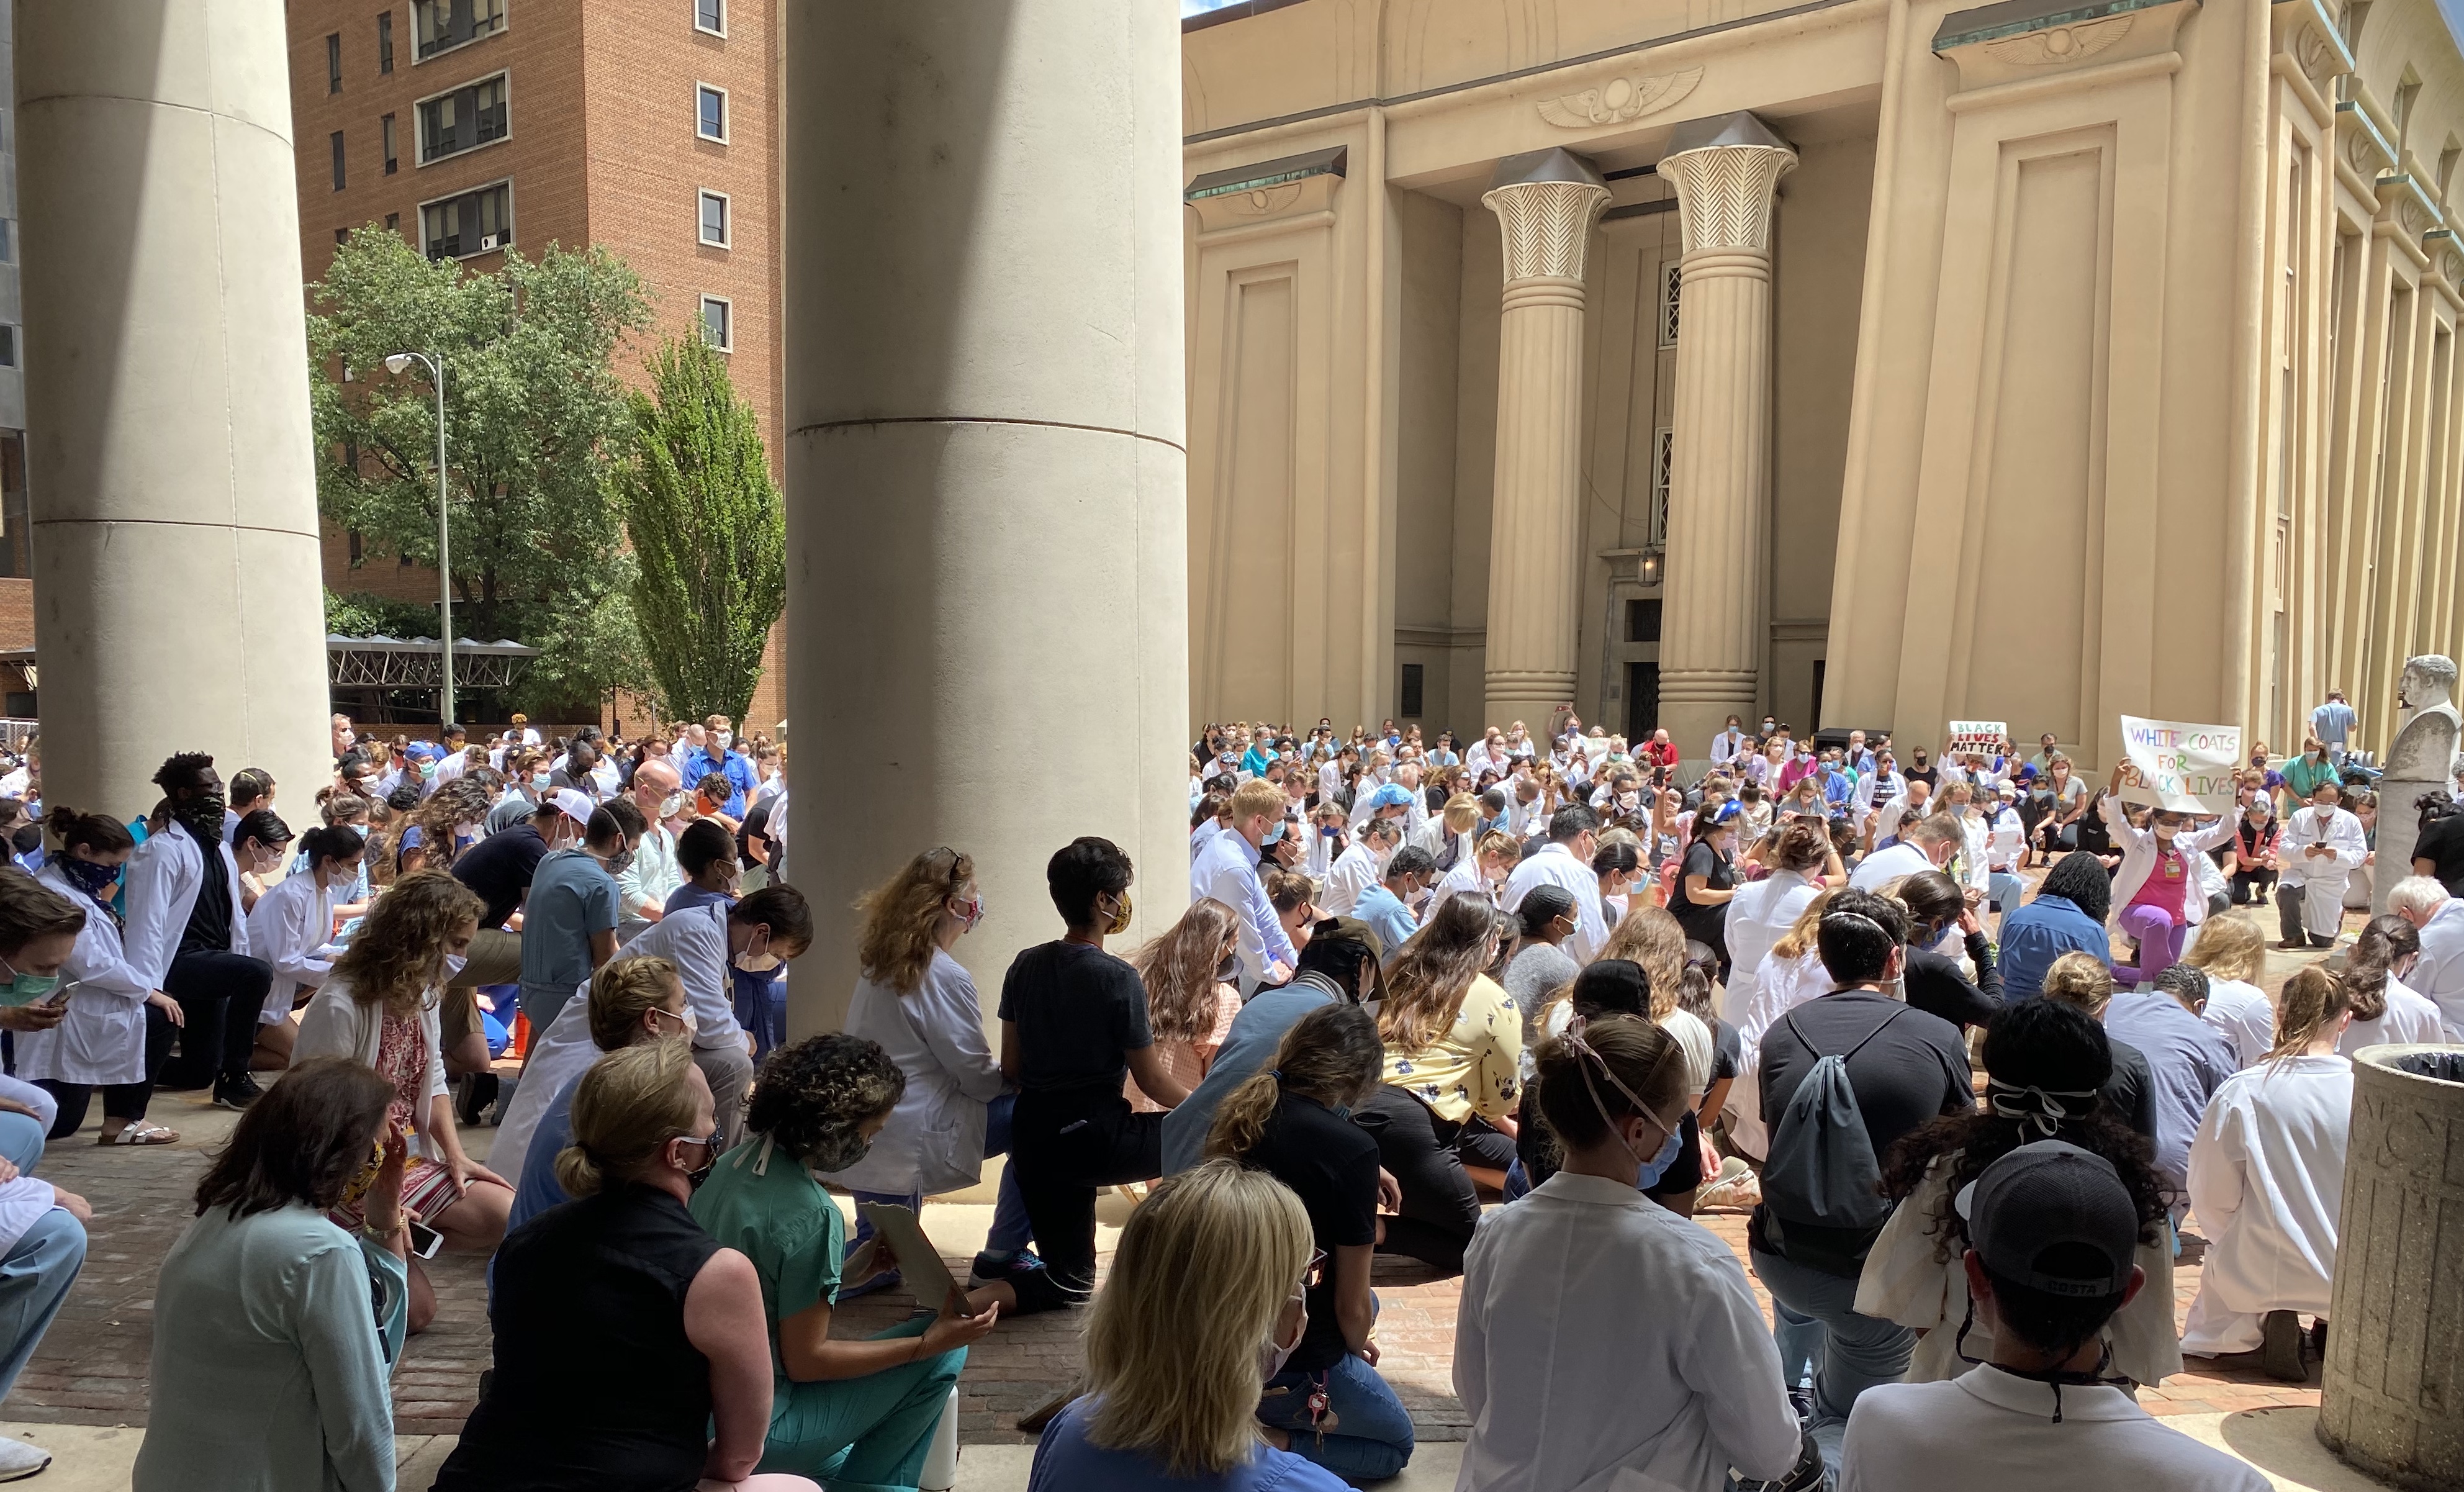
{"x": 2425, "y": 747}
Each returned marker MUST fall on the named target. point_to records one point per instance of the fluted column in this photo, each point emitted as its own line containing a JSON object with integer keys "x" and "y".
{"x": 1725, "y": 171}
{"x": 1546, "y": 204}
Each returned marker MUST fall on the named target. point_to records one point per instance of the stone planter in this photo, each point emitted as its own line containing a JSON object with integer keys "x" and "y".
{"x": 2392, "y": 1401}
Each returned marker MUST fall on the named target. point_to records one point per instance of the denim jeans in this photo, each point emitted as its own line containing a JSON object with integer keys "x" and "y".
{"x": 1854, "y": 1352}
{"x": 1372, "y": 1438}
{"x": 2004, "y": 891}
{"x": 35, "y": 1280}
{"x": 1010, "y": 1232}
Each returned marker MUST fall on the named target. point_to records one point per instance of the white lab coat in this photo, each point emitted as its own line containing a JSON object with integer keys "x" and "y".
{"x": 1355, "y": 872}
{"x": 292, "y": 927}
{"x": 102, "y": 1037}
{"x": 1992, "y": 1429}
{"x": 2409, "y": 1016}
{"x": 2139, "y": 850}
{"x": 1781, "y": 986}
{"x": 2243, "y": 1013}
{"x": 1908, "y": 1280}
{"x": 2267, "y": 1182}
{"x": 558, "y": 1055}
{"x": 1759, "y": 916}
{"x": 161, "y": 882}
{"x": 2322, "y": 878}
{"x": 934, "y": 1139}
{"x": 2007, "y": 837}
{"x": 1884, "y": 866}
{"x": 2439, "y": 974}
{"x": 1605, "y": 1344}
{"x": 334, "y": 1024}
{"x": 1556, "y": 865}
{"x": 1465, "y": 879}
{"x": 695, "y": 941}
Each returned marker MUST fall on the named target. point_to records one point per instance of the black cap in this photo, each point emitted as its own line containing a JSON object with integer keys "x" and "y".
{"x": 2043, "y": 1196}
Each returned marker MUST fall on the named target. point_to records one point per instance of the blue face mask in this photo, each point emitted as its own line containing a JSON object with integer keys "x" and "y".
{"x": 1648, "y": 1176}
{"x": 1274, "y": 835}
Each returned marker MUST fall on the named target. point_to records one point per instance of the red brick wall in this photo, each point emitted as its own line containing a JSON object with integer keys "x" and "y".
{"x": 16, "y": 613}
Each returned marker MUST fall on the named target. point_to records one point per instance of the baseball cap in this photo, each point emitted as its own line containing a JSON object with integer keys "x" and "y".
{"x": 421, "y": 751}
{"x": 2009, "y": 791}
{"x": 1348, "y": 930}
{"x": 573, "y": 803}
{"x": 2041, "y": 1197}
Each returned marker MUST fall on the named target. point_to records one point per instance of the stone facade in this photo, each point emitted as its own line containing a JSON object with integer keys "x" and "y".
{"x": 2071, "y": 368}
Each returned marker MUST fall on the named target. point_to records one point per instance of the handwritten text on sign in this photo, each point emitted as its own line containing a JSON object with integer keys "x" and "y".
{"x": 1984, "y": 736}
{"x": 2178, "y": 765}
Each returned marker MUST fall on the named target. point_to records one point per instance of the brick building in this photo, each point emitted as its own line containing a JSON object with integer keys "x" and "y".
{"x": 650, "y": 128}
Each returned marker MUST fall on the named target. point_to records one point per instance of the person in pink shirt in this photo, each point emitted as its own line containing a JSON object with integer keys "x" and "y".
{"x": 2158, "y": 883}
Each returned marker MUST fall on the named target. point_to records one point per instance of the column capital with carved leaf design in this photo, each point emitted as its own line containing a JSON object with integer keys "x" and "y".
{"x": 1726, "y": 172}
{"x": 1546, "y": 202}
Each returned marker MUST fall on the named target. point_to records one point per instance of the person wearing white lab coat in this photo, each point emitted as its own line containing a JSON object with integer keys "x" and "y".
{"x": 2385, "y": 1010}
{"x": 1603, "y": 1342}
{"x": 1359, "y": 868}
{"x": 292, "y": 926}
{"x": 921, "y": 1006}
{"x": 187, "y": 936}
{"x": 2267, "y": 1180}
{"x": 2005, "y": 845}
{"x": 2321, "y": 847}
{"x": 1762, "y": 911}
{"x": 2439, "y": 974}
{"x": 119, "y": 1027}
{"x": 1565, "y": 860}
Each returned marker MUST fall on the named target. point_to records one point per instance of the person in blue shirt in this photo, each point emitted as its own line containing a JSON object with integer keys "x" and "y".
{"x": 1387, "y": 907}
{"x": 709, "y": 749}
{"x": 2066, "y": 917}
{"x": 631, "y": 1000}
{"x": 1207, "y": 1288}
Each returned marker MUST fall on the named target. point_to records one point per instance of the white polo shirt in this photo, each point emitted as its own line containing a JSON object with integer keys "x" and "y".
{"x": 1987, "y": 1428}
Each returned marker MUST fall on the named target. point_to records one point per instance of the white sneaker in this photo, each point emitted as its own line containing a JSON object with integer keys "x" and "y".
{"x": 19, "y": 1460}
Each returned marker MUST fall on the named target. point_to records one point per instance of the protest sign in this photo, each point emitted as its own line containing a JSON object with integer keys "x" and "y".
{"x": 1978, "y": 736}
{"x": 2178, "y": 765}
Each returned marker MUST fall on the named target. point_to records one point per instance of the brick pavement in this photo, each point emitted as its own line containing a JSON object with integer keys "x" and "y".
{"x": 92, "y": 1368}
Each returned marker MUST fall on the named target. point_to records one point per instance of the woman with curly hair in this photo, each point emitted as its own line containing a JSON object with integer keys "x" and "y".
{"x": 443, "y": 824}
{"x": 1190, "y": 999}
{"x": 2045, "y": 1063}
{"x": 378, "y": 1006}
{"x": 920, "y": 1005}
{"x": 860, "y": 1412}
{"x": 1443, "y": 1116}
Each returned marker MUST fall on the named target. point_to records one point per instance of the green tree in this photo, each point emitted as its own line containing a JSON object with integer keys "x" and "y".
{"x": 709, "y": 536}
{"x": 537, "y": 418}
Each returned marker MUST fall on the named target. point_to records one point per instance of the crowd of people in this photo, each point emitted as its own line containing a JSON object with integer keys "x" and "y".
{"x": 1573, "y": 977}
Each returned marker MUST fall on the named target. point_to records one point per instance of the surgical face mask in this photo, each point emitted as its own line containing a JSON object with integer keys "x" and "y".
{"x": 689, "y": 1025}
{"x": 539, "y": 781}
{"x": 1647, "y": 1175}
{"x": 24, "y": 989}
{"x": 1274, "y": 836}
{"x": 1273, "y": 1354}
{"x": 427, "y": 770}
{"x": 454, "y": 963}
{"x": 723, "y": 738}
{"x": 757, "y": 957}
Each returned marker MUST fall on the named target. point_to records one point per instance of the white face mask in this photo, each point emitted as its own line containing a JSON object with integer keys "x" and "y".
{"x": 453, "y": 965}
{"x": 1273, "y": 1354}
{"x": 672, "y": 805}
{"x": 723, "y": 738}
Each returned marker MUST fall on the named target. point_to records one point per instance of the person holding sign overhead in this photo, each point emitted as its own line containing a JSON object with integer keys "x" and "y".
{"x": 2158, "y": 884}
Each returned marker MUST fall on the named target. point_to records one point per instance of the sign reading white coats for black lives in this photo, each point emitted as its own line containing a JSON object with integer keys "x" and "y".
{"x": 2177, "y": 765}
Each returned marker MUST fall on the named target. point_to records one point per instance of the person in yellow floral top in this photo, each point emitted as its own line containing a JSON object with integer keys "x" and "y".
{"x": 1444, "y": 1115}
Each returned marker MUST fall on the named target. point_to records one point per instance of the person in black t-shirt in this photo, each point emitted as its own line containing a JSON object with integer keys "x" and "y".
{"x": 1937, "y": 905}
{"x": 2440, "y": 851}
{"x": 1073, "y": 1025}
{"x": 1906, "y": 1067}
{"x": 1707, "y": 881}
{"x": 1290, "y": 1121}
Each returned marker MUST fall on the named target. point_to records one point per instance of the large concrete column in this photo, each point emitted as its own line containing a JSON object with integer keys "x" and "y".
{"x": 1719, "y": 488}
{"x": 987, "y": 584}
{"x": 177, "y": 597}
{"x": 1546, "y": 203}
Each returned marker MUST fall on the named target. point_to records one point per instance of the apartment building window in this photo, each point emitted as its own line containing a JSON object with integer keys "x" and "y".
{"x": 469, "y": 223}
{"x": 8, "y": 240}
{"x": 392, "y": 156}
{"x": 714, "y": 219}
{"x": 443, "y": 25}
{"x": 334, "y": 63}
{"x": 7, "y": 346}
{"x": 384, "y": 43}
{"x": 711, "y": 15}
{"x": 718, "y": 322}
{"x": 469, "y": 117}
{"x": 339, "y": 175}
{"x": 712, "y": 119}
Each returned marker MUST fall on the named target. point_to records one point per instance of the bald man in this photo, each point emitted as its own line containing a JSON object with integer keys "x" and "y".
{"x": 643, "y": 889}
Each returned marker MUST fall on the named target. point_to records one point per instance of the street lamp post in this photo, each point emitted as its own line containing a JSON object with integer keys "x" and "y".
{"x": 395, "y": 365}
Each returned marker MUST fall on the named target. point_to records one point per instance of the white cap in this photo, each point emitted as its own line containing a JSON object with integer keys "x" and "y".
{"x": 573, "y": 803}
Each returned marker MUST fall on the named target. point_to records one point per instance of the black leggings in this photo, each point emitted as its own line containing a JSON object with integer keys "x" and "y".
{"x": 2249, "y": 887}
{"x": 221, "y": 994}
{"x": 120, "y": 1100}
{"x": 1427, "y": 1152}
{"x": 1065, "y": 1146}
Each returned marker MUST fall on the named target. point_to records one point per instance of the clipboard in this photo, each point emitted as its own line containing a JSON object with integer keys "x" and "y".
{"x": 927, "y": 1278}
